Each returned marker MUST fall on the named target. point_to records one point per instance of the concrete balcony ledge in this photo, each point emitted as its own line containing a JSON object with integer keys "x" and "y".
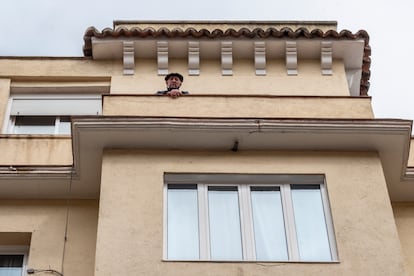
{"x": 35, "y": 150}
{"x": 239, "y": 106}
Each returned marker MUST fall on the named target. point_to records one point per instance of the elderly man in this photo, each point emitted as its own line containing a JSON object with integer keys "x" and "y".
{"x": 173, "y": 82}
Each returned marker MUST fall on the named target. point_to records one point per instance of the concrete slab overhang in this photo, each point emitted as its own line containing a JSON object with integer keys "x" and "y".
{"x": 91, "y": 135}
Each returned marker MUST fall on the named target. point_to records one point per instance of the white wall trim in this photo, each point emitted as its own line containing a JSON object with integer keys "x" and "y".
{"x": 129, "y": 57}
{"x": 162, "y": 57}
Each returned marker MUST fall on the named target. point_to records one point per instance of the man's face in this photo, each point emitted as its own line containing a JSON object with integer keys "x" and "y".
{"x": 173, "y": 82}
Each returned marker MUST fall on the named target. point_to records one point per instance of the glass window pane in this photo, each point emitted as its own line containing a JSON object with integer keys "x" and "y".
{"x": 11, "y": 265}
{"x": 10, "y": 271}
{"x": 225, "y": 236}
{"x": 182, "y": 224}
{"x": 310, "y": 223}
{"x": 64, "y": 125}
{"x": 268, "y": 224}
{"x": 34, "y": 125}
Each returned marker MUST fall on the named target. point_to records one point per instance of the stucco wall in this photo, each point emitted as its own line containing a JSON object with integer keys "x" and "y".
{"x": 35, "y": 150}
{"x": 46, "y": 221}
{"x": 244, "y": 81}
{"x": 404, "y": 218}
{"x": 131, "y": 215}
{"x": 225, "y": 106}
{"x": 81, "y": 244}
{"x": 46, "y": 69}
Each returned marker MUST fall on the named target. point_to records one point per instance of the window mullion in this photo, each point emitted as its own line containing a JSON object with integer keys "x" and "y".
{"x": 24, "y": 268}
{"x": 57, "y": 124}
{"x": 290, "y": 227}
{"x": 12, "y": 124}
{"x": 246, "y": 222}
{"x": 165, "y": 221}
{"x": 329, "y": 223}
{"x": 8, "y": 122}
{"x": 203, "y": 222}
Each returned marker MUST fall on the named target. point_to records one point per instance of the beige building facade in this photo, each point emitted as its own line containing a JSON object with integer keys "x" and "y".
{"x": 273, "y": 164}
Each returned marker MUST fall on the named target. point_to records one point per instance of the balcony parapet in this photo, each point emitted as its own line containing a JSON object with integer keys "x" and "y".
{"x": 35, "y": 150}
{"x": 239, "y": 106}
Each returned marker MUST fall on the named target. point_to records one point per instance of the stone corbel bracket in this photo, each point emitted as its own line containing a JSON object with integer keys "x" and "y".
{"x": 326, "y": 58}
{"x": 260, "y": 58}
{"x": 291, "y": 58}
{"x": 227, "y": 58}
{"x": 129, "y": 57}
{"x": 162, "y": 57}
{"x": 193, "y": 58}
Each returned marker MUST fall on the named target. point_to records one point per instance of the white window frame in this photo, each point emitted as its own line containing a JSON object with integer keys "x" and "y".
{"x": 244, "y": 182}
{"x": 17, "y": 250}
{"x": 56, "y": 128}
{"x": 52, "y": 111}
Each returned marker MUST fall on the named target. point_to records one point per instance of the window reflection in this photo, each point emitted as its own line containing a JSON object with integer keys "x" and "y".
{"x": 310, "y": 223}
{"x": 182, "y": 223}
{"x": 269, "y": 228}
{"x": 225, "y": 236}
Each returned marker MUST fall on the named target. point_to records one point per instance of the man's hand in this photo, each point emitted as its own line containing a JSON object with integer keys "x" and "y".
{"x": 175, "y": 93}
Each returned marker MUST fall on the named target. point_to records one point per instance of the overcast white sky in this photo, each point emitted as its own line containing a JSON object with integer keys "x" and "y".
{"x": 56, "y": 28}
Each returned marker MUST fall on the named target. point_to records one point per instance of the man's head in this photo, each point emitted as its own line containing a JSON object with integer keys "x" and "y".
{"x": 173, "y": 80}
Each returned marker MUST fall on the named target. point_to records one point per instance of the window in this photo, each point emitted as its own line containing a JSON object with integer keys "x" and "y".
{"x": 40, "y": 125}
{"x": 13, "y": 260}
{"x": 49, "y": 114}
{"x": 228, "y": 217}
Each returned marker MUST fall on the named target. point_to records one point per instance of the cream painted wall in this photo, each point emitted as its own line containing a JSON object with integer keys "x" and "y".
{"x": 404, "y": 218}
{"x": 225, "y": 106}
{"x": 131, "y": 215}
{"x": 46, "y": 220}
{"x": 81, "y": 245}
{"x": 45, "y": 69}
{"x": 244, "y": 81}
{"x": 35, "y": 150}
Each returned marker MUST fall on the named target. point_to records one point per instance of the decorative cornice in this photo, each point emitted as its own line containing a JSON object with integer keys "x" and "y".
{"x": 226, "y": 58}
{"x": 129, "y": 57}
{"x": 217, "y": 34}
{"x": 291, "y": 58}
{"x": 193, "y": 58}
{"x": 242, "y": 33}
{"x": 326, "y": 58}
{"x": 260, "y": 58}
{"x": 162, "y": 57}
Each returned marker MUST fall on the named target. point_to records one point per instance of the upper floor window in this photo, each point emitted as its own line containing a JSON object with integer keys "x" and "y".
{"x": 40, "y": 125}
{"x": 49, "y": 114}
{"x": 13, "y": 260}
{"x": 255, "y": 219}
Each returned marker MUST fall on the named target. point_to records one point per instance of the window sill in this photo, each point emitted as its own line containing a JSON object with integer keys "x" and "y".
{"x": 39, "y": 136}
{"x": 255, "y": 262}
